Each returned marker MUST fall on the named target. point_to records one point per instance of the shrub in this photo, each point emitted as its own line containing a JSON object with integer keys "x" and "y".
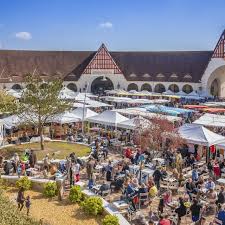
{"x": 75, "y": 194}
{"x": 24, "y": 183}
{"x": 110, "y": 220}
{"x": 50, "y": 189}
{"x": 93, "y": 205}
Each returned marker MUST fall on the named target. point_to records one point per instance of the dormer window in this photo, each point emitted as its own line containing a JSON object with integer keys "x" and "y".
{"x": 14, "y": 75}
{"x": 72, "y": 75}
{"x": 174, "y": 76}
{"x": 160, "y": 75}
{"x": 133, "y": 75}
{"x": 58, "y": 73}
{"x": 146, "y": 75}
{"x": 44, "y": 74}
{"x": 187, "y": 76}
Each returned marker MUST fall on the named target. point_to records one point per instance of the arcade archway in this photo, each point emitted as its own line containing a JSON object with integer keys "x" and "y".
{"x": 99, "y": 85}
{"x": 159, "y": 88}
{"x": 215, "y": 88}
{"x": 216, "y": 82}
{"x": 174, "y": 88}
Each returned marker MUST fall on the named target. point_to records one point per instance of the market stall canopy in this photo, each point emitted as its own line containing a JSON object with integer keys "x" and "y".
{"x": 66, "y": 93}
{"x": 80, "y": 105}
{"x": 212, "y": 120}
{"x": 83, "y": 113}
{"x": 214, "y": 110}
{"x": 95, "y": 104}
{"x": 214, "y": 104}
{"x": 168, "y": 92}
{"x": 110, "y": 118}
{"x": 162, "y": 109}
{"x": 14, "y": 93}
{"x": 221, "y": 145}
{"x": 144, "y": 113}
{"x": 193, "y": 93}
{"x": 81, "y": 97}
{"x": 16, "y": 120}
{"x": 11, "y": 121}
{"x": 197, "y": 134}
{"x": 181, "y": 93}
{"x": 63, "y": 118}
{"x": 136, "y": 122}
{"x": 198, "y": 107}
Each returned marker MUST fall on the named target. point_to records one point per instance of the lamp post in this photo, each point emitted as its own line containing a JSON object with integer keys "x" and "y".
{"x": 85, "y": 96}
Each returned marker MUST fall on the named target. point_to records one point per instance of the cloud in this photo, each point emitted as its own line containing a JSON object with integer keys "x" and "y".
{"x": 24, "y": 35}
{"x": 106, "y": 25}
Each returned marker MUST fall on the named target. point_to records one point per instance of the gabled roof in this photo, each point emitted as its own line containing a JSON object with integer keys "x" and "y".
{"x": 102, "y": 60}
{"x": 219, "y": 51}
{"x": 165, "y": 63}
{"x": 70, "y": 65}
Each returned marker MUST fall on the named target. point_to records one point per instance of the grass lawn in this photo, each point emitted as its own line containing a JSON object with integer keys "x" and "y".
{"x": 53, "y": 212}
{"x": 62, "y": 149}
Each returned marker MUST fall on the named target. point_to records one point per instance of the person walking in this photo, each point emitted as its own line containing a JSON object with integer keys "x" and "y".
{"x": 28, "y": 204}
{"x": 20, "y": 198}
{"x": 195, "y": 210}
{"x": 157, "y": 176}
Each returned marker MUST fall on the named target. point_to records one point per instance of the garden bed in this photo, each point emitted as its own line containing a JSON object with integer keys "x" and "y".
{"x": 61, "y": 149}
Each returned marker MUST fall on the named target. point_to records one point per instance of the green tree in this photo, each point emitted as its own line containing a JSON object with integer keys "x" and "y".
{"x": 40, "y": 101}
{"x": 8, "y": 104}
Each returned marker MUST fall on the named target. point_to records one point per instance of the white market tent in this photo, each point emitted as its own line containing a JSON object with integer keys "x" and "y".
{"x": 83, "y": 113}
{"x": 197, "y": 134}
{"x": 214, "y": 104}
{"x": 144, "y": 113}
{"x": 66, "y": 117}
{"x": 14, "y": 93}
{"x": 66, "y": 93}
{"x": 80, "y": 105}
{"x": 96, "y": 104}
{"x": 193, "y": 93}
{"x": 133, "y": 92}
{"x": 145, "y": 92}
{"x": 11, "y": 121}
{"x": 81, "y": 97}
{"x": 181, "y": 93}
{"x": 212, "y": 120}
{"x": 109, "y": 118}
{"x": 169, "y": 92}
{"x": 135, "y": 122}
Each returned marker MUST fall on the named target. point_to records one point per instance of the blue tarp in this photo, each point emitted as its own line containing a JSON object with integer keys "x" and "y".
{"x": 168, "y": 110}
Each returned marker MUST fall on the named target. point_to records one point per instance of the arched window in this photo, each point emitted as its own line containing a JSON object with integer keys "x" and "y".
{"x": 132, "y": 86}
{"x": 17, "y": 87}
{"x": 187, "y": 88}
{"x": 159, "y": 88}
{"x": 174, "y": 88}
{"x": 72, "y": 87}
{"x": 146, "y": 87}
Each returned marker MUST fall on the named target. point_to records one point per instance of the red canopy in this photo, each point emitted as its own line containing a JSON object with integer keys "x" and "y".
{"x": 214, "y": 110}
{"x": 195, "y": 106}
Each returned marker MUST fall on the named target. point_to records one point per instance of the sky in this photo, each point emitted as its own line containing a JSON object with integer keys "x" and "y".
{"x": 123, "y": 25}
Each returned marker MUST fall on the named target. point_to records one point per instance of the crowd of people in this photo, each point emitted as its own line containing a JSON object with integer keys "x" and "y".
{"x": 167, "y": 195}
